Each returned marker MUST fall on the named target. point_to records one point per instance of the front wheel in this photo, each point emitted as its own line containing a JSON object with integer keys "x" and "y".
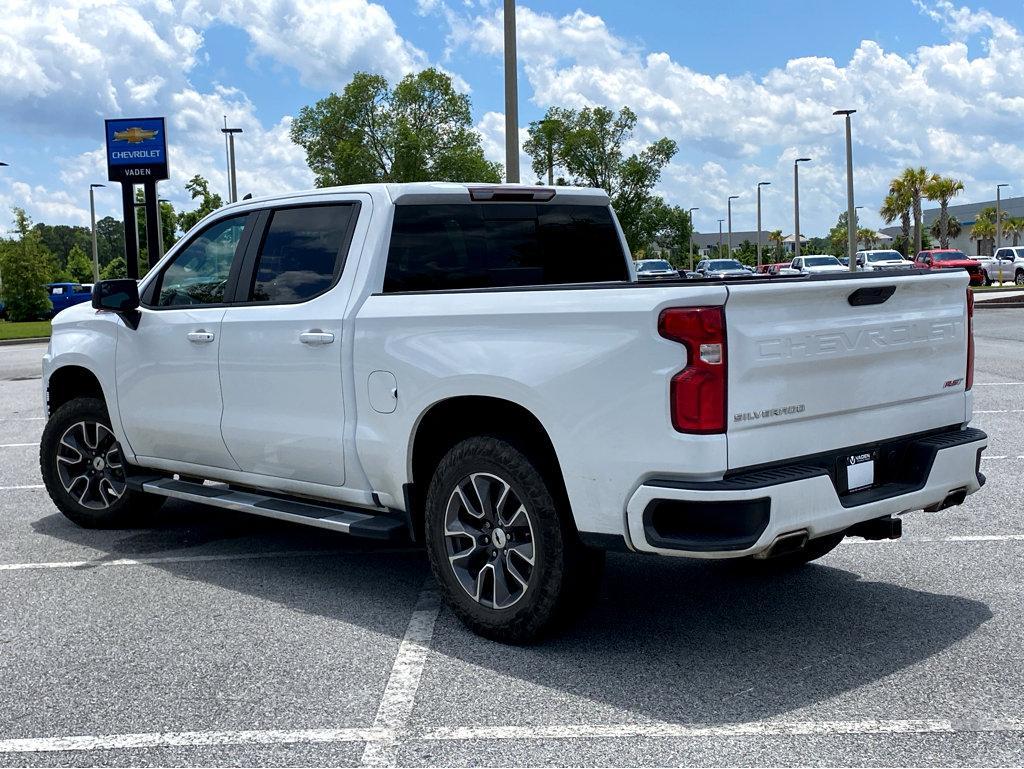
{"x": 506, "y": 557}
{"x": 1018, "y": 278}
{"x": 84, "y": 471}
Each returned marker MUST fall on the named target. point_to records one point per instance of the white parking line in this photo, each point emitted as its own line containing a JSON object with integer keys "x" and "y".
{"x": 184, "y": 739}
{"x": 377, "y": 736}
{"x": 960, "y": 538}
{"x": 22, "y": 419}
{"x": 997, "y": 384}
{"x": 30, "y": 486}
{"x": 1001, "y": 411}
{"x": 17, "y": 445}
{"x": 99, "y": 562}
{"x": 400, "y": 693}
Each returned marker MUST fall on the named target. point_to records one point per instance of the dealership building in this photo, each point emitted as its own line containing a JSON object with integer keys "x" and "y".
{"x": 967, "y": 215}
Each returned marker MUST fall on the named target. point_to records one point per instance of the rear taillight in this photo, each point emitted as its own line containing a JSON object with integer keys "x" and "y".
{"x": 697, "y": 393}
{"x": 970, "y": 339}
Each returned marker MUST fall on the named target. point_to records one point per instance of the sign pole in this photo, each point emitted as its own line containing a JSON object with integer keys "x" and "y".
{"x": 152, "y": 221}
{"x": 131, "y": 235}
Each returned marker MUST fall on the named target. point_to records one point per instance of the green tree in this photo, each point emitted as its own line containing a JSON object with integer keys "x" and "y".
{"x": 117, "y": 268}
{"x": 587, "y": 144}
{"x": 25, "y": 265}
{"x": 422, "y": 130}
{"x": 897, "y": 205}
{"x": 60, "y": 239}
{"x": 199, "y": 189}
{"x": 953, "y": 229}
{"x": 673, "y": 231}
{"x": 776, "y": 237}
{"x": 913, "y": 182}
{"x": 109, "y": 239}
{"x": 79, "y": 265}
{"x": 942, "y": 189}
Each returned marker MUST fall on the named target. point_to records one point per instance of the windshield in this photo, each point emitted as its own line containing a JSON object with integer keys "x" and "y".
{"x": 656, "y": 264}
{"x": 884, "y": 256}
{"x": 724, "y": 264}
{"x": 821, "y": 261}
{"x": 948, "y": 256}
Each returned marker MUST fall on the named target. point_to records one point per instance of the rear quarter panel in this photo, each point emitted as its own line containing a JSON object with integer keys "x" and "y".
{"x": 588, "y": 363}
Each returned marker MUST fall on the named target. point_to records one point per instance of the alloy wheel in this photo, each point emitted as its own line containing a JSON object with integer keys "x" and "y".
{"x": 89, "y": 465}
{"x": 489, "y": 539}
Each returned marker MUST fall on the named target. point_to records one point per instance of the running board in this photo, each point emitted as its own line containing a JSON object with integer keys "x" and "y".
{"x": 347, "y": 521}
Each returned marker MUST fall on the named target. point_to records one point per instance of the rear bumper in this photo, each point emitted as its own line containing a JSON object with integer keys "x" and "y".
{"x": 746, "y": 512}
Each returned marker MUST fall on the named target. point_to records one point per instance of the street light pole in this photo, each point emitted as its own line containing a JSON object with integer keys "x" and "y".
{"x": 759, "y": 186}
{"x": 796, "y": 205}
{"x": 851, "y": 214}
{"x": 95, "y": 249}
{"x": 232, "y": 181}
{"x": 720, "y": 238}
{"x": 999, "y": 217}
{"x": 689, "y": 246}
{"x": 729, "y": 205}
{"x": 511, "y": 96}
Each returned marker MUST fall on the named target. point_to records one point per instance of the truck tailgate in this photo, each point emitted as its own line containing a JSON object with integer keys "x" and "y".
{"x": 812, "y": 370}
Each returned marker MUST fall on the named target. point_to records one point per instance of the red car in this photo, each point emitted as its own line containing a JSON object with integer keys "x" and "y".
{"x": 938, "y": 258}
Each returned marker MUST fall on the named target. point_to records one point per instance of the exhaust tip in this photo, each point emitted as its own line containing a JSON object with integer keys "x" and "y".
{"x": 784, "y": 544}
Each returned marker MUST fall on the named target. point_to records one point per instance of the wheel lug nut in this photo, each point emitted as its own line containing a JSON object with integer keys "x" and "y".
{"x": 494, "y": 553}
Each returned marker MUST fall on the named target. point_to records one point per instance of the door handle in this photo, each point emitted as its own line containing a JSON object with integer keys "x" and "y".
{"x": 316, "y": 337}
{"x": 200, "y": 336}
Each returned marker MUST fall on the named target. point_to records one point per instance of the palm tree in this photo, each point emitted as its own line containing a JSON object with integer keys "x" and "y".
{"x": 1014, "y": 225}
{"x": 983, "y": 230}
{"x": 897, "y": 206}
{"x": 953, "y": 228}
{"x": 775, "y": 236}
{"x": 942, "y": 189}
{"x": 867, "y": 236}
{"x": 914, "y": 181}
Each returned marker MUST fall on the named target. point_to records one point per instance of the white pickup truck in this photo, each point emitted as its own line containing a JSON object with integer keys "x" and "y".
{"x": 1005, "y": 266}
{"x": 479, "y": 369}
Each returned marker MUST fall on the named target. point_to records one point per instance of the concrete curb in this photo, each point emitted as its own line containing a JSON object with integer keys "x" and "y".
{"x": 29, "y": 340}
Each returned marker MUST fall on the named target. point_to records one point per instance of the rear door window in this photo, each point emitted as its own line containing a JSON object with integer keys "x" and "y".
{"x": 453, "y": 246}
{"x": 302, "y": 253}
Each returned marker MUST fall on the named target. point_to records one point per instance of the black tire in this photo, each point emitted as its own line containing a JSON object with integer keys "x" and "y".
{"x": 988, "y": 280}
{"x": 815, "y": 549}
{"x": 495, "y": 475}
{"x": 1018, "y": 278}
{"x": 84, "y": 474}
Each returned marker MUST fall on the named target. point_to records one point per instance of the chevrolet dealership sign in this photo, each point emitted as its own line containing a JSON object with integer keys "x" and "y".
{"x": 136, "y": 150}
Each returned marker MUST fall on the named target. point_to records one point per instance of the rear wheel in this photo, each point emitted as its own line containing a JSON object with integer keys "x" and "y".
{"x": 506, "y": 558}
{"x": 1018, "y": 277}
{"x": 84, "y": 471}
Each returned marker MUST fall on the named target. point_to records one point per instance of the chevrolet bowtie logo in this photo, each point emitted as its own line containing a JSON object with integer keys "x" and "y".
{"x": 134, "y": 135}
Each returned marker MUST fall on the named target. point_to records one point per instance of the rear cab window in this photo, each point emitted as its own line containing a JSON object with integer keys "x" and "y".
{"x": 302, "y": 252}
{"x": 436, "y": 247}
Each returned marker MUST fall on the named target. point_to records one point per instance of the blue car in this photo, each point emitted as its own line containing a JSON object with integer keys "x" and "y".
{"x": 63, "y": 295}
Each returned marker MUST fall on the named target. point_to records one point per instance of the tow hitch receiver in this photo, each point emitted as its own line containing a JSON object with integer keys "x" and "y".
{"x": 888, "y": 527}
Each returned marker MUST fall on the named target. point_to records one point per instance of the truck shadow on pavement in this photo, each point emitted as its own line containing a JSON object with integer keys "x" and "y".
{"x": 666, "y": 640}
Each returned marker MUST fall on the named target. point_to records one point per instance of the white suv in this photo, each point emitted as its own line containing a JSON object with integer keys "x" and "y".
{"x": 882, "y": 260}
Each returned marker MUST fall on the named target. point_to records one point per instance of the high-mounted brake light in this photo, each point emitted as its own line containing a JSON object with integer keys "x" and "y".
{"x": 970, "y": 340}
{"x": 698, "y": 393}
{"x": 511, "y": 194}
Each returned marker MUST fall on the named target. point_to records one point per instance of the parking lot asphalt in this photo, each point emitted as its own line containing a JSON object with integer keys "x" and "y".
{"x": 214, "y": 638}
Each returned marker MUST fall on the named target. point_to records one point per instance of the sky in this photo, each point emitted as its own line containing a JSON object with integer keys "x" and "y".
{"x": 743, "y": 88}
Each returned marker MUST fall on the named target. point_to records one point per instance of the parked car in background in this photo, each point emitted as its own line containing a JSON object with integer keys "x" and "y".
{"x": 882, "y": 260}
{"x": 64, "y": 295}
{"x": 781, "y": 268}
{"x": 1007, "y": 264}
{"x": 722, "y": 268}
{"x": 816, "y": 264}
{"x": 942, "y": 258}
{"x": 655, "y": 269}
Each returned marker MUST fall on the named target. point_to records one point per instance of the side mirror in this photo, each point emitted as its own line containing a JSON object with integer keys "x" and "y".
{"x": 120, "y": 296}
